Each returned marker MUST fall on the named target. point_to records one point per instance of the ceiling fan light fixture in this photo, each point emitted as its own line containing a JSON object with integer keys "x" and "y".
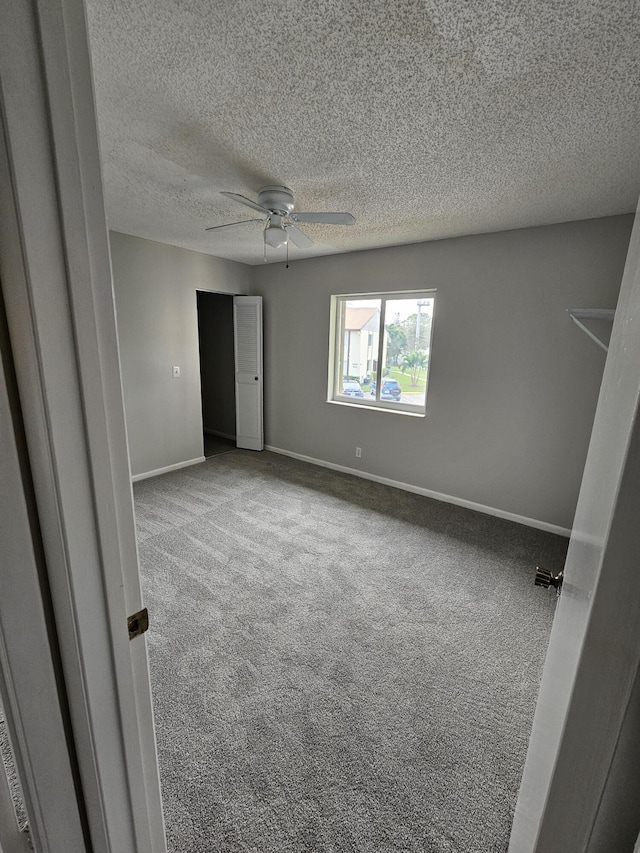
{"x": 275, "y": 236}
{"x": 276, "y": 203}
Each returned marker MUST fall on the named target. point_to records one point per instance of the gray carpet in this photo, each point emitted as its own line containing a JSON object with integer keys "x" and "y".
{"x": 337, "y": 665}
{"x": 9, "y": 769}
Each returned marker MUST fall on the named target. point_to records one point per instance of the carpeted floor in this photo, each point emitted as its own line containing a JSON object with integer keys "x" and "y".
{"x": 9, "y": 769}
{"x": 215, "y": 444}
{"x": 336, "y": 665}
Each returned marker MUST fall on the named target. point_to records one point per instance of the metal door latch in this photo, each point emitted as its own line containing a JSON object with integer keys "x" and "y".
{"x": 546, "y": 579}
{"x": 138, "y": 623}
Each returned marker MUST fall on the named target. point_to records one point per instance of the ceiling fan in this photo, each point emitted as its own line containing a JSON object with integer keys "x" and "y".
{"x": 276, "y": 204}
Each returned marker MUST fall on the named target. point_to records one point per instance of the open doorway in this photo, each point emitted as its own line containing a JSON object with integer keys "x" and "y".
{"x": 217, "y": 380}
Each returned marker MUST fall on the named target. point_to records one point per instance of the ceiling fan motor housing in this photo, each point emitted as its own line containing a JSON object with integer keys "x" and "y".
{"x": 276, "y": 198}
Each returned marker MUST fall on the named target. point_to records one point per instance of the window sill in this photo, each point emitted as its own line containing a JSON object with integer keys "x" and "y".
{"x": 373, "y": 408}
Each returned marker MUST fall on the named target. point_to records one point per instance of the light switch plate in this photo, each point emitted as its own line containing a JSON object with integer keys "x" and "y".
{"x": 176, "y": 371}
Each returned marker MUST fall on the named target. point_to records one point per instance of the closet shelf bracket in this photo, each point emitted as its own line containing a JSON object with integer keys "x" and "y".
{"x": 580, "y": 314}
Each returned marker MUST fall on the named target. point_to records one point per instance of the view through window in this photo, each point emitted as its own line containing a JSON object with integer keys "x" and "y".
{"x": 382, "y": 347}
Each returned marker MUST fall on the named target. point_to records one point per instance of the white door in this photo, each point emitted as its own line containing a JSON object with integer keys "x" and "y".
{"x": 55, "y": 279}
{"x": 247, "y": 327}
{"x": 579, "y": 793}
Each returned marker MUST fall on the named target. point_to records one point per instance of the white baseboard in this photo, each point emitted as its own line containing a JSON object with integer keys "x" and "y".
{"x": 165, "y": 470}
{"x": 220, "y": 434}
{"x": 428, "y": 493}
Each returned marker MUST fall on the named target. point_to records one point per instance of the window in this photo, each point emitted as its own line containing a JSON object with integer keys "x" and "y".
{"x": 380, "y": 350}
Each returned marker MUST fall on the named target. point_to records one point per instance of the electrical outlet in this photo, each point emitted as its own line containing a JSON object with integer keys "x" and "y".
{"x": 358, "y": 453}
{"x": 176, "y": 371}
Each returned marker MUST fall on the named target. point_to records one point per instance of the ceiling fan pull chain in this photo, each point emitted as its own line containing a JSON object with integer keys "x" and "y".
{"x": 286, "y": 266}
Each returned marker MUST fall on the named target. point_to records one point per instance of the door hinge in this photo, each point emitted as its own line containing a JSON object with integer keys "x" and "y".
{"x": 138, "y": 623}
{"x": 546, "y": 579}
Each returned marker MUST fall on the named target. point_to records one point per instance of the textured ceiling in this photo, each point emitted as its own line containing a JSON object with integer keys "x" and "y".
{"x": 423, "y": 118}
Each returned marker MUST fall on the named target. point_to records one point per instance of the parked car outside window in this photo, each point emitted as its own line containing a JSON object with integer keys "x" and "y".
{"x": 350, "y": 388}
{"x": 390, "y": 390}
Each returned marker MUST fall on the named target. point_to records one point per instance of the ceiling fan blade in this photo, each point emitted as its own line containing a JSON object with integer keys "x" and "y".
{"x": 229, "y": 224}
{"x": 247, "y": 201}
{"x": 324, "y": 218}
{"x": 297, "y": 237}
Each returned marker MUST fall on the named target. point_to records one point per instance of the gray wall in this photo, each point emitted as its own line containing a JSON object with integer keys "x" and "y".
{"x": 514, "y": 383}
{"x": 217, "y": 373}
{"x": 155, "y": 290}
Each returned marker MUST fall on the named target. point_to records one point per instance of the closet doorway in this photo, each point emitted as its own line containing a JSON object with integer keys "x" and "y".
{"x": 217, "y": 376}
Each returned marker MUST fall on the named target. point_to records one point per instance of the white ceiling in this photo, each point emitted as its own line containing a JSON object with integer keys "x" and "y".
{"x": 423, "y": 118}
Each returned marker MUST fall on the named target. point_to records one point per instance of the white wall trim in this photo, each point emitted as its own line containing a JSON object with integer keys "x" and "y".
{"x": 220, "y": 434}
{"x": 428, "y": 493}
{"x": 157, "y": 471}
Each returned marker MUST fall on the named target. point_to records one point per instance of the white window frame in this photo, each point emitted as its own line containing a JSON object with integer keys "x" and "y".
{"x": 336, "y": 352}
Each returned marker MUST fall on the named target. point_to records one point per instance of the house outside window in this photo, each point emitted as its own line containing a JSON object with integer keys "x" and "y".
{"x": 380, "y": 350}
{"x": 361, "y": 328}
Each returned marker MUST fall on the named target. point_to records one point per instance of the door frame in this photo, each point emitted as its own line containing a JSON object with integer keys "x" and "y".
{"x": 231, "y": 296}
{"x": 41, "y": 744}
{"x": 56, "y": 283}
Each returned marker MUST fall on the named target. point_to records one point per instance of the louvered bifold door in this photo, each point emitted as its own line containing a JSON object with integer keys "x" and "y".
{"x": 247, "y": 326}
